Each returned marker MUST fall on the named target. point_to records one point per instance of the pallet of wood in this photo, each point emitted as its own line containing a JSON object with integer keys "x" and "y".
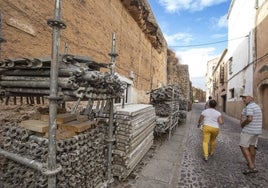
{"x": 68, "y": 125}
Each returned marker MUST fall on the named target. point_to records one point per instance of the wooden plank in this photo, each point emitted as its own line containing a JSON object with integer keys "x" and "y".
{"x": 82, "y": 118}
{"x": 77, "y": 126}
{"x": 66, "y": 117}
{"x": 63, "y": 134}
{"x": 23, "y": 26}
{"x": 44, "y": 117}
{"x": 61, "y": 118}
{"x": 35, "y": 125}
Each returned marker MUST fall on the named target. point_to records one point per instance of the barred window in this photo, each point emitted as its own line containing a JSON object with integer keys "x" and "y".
{"x": 230, "y": 64}
{"x": 222, "y": 75}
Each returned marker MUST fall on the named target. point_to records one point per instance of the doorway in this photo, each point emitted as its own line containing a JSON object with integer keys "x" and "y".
{"x": 264, "y": 101}
{"x": 223, "y": 98}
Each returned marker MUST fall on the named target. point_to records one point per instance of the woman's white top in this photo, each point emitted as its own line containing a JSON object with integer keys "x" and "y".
{"x": 211, "y": 117}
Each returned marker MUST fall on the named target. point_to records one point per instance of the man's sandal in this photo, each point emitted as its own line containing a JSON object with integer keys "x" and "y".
{"x": 250, "y": 171}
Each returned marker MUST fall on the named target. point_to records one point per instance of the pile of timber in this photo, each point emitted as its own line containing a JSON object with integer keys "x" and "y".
{"x": 167, "y": 105}
{"x": 134, "y": 137}
{"x": 80, "y": 152}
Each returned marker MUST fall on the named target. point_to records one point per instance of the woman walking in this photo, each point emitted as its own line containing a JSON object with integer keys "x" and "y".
{"x": 211, "y": 119}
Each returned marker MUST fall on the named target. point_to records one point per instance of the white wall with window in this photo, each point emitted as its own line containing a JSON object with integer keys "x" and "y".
{"x": 129, "y": 93}
{"x": 209, "y": 76}
{"x": 241, "y": 21}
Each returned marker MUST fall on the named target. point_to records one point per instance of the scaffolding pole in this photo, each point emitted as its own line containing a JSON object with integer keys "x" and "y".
{"x": 57, "y": 25}
{"x": 111, "y": 138}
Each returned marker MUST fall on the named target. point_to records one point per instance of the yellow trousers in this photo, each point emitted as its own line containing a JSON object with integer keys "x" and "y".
{"x": 209, "y": 139}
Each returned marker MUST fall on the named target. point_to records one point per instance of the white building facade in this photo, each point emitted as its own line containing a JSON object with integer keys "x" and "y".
{"x": 209, "y": 76}
{"x": 246, "y": 62}
{"x": 241, "y": 24}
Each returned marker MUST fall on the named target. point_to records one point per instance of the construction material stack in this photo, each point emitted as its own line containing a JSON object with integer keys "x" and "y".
{"x": 80, "y": 140}
{"x": 134, "y": 137}
{"x": 166, "y": 103}
{"x": 80, "y": 156}
{"x": 79, "y": 78}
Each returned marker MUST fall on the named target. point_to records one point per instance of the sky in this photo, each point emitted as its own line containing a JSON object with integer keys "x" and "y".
{"x": 196, "y": 30}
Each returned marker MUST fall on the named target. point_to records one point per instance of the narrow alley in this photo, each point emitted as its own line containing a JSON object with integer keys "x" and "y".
{"x": 225, "y": 168}
{"x": 178, "y": 162}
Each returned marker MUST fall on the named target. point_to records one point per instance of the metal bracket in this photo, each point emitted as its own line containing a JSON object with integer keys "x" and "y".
{"x": 47, "y": 172}
{"x": 56, "y": 23}
{"x": 110, "y": 140}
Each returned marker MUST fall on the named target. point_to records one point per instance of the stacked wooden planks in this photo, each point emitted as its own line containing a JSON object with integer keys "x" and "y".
{"x": 68, "y": 125}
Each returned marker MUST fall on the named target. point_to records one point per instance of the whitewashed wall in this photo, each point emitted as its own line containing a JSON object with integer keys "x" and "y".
{"x": 241, "y": 21}
{"x": 209, "y": 77}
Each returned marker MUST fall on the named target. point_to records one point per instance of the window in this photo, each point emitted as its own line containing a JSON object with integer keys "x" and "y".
{"x": 231, "y": 93}
{"x": 215, "y": 84}
{"x": 259, "y": 3}
{"x": 117, "y": 100}
{"x": 222, "y": 75}
{"x": 125, "y": 95}
{"x": 128, "y": 90}
{"x": 230, "y": 63}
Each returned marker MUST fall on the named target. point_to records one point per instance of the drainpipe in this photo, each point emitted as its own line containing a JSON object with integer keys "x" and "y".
{"x": 255, "y": 33}
{"x": 254, "y": 48}
{"x": 56, "y": 24}
{"x": 111, "y": 138}
{"x": 249, "y": 49}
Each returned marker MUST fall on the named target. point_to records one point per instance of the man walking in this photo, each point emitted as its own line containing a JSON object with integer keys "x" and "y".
{"x": 251, "y": 124}
{"x": 207, "y": 103}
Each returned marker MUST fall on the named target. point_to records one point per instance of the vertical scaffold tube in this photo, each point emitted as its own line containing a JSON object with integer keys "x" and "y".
{"x": 56, "y": 24}
{"x": 110, "y": 139}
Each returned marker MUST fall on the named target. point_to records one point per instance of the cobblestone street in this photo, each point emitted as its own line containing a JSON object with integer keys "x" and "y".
{"x": 225, "y": 168}
{"x": 178, "y": 162}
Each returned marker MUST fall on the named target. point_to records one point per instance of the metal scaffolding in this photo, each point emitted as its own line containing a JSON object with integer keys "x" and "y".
{"x": 57, "y": 25}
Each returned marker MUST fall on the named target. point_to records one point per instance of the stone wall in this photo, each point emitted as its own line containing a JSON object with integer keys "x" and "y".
{"x": 90, "y": 24}
{"x": 260, "y": 75}
{"x": 178, "y": 74}
{"x": 234, "y": 108}
{"x": 199, "y": 94}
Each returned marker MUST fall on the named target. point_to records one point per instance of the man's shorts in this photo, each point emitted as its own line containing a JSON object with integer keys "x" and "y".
{"x": 248, "y": 139}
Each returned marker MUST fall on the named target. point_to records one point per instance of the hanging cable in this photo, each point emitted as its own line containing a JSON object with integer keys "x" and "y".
{"x": 205, "y": 44}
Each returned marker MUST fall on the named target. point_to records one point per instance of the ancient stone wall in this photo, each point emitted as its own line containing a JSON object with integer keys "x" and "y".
{"x": 199, "y": 94}
{"x": 90, "y": 24}
{"x": 178, "y": 74}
